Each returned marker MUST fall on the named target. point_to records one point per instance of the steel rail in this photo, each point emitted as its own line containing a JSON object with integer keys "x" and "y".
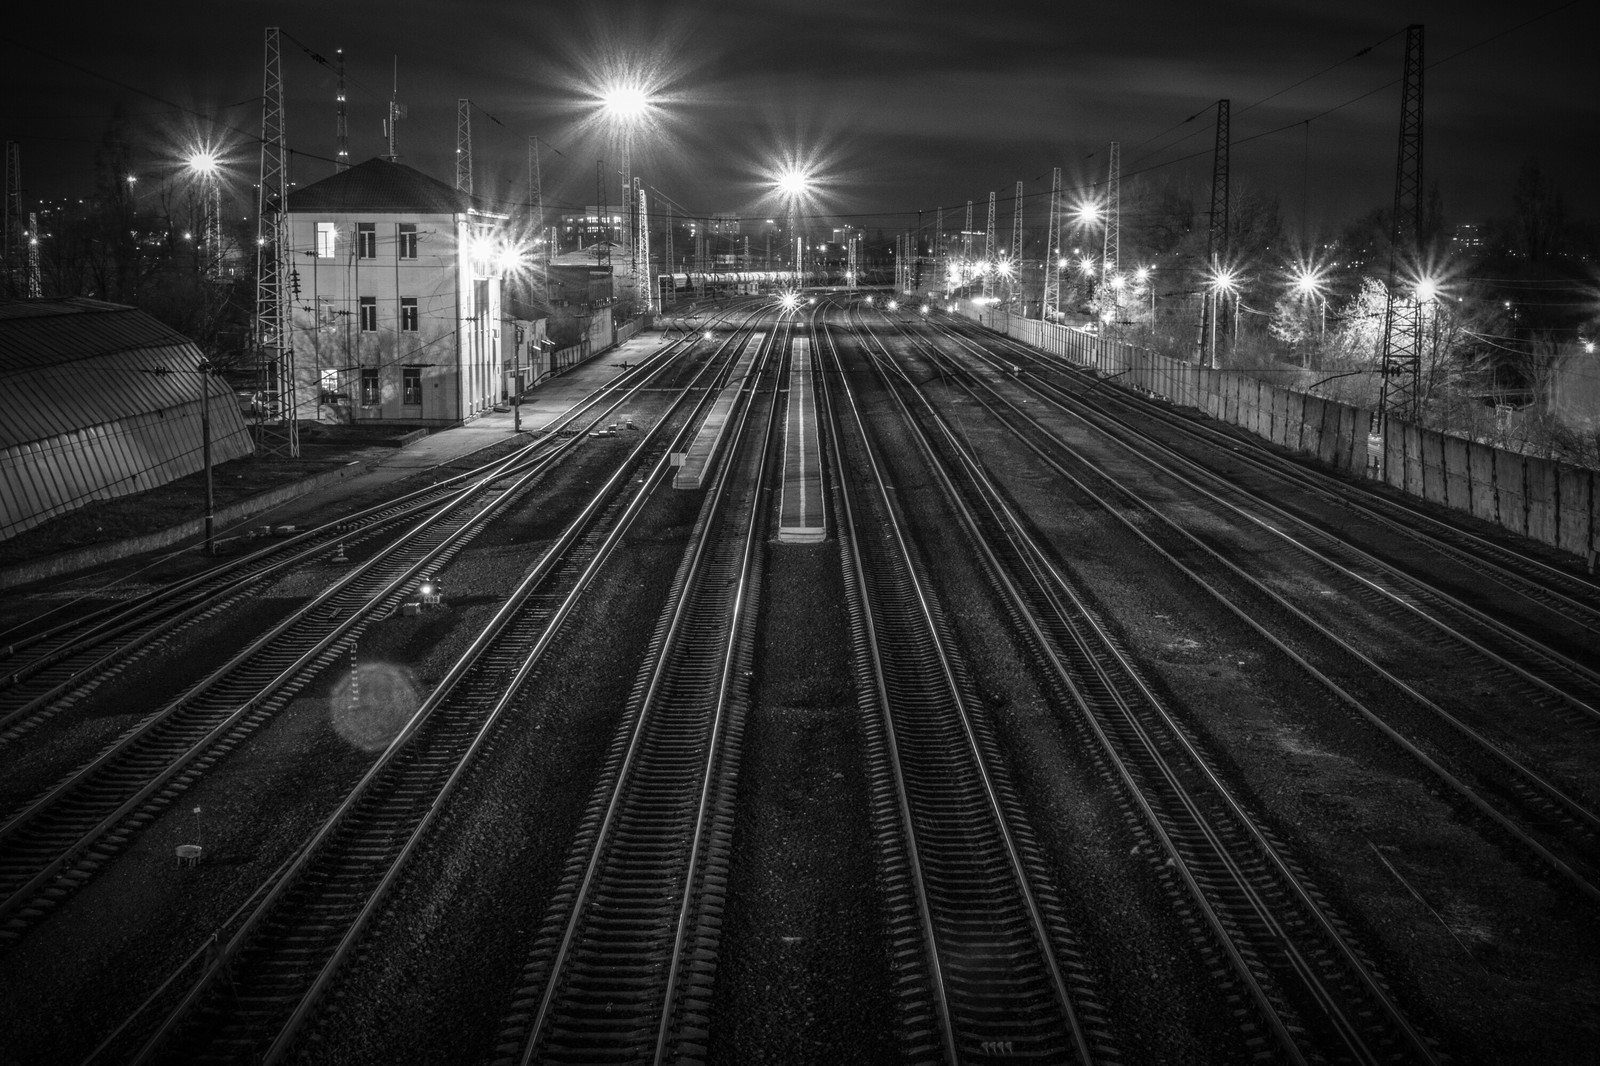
{"x": 721, "y": 615}
{"x": 954, "y": 1008}
{"x": 1095, "y": 648}
{"x": 373, "y": 794}
{"x": 1535, "y": 785}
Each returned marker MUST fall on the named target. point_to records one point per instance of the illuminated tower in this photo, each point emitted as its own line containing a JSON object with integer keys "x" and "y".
{"x": 1402, "y": 317}
{"x": 277, "y": 407}
{"x": 1052, "y": 251}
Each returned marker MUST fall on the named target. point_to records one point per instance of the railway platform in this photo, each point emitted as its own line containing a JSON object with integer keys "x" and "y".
{"x": 802, "y": 512}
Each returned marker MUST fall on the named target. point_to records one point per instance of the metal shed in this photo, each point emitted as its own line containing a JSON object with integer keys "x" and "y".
{"x": 98, "y": 400}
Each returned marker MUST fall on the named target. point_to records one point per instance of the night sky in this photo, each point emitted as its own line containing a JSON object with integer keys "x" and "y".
{"x": 893, "y": 107}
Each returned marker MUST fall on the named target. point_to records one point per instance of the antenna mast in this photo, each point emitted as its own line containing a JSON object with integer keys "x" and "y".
{"x": 396, "y": 112}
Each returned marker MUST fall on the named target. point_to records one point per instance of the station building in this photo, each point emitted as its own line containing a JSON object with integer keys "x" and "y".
{"x": 101, "y": 400}
{"x": 395, "y": 280}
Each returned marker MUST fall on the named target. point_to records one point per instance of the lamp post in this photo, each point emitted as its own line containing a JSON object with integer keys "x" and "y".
{"x": 626, "y": 104}
{"x": 1222, "y": 281}
{"x": 205, "y": 165}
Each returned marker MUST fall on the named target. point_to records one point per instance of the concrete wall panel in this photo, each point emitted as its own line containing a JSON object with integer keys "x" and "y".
{"x": 1509, "y": 486}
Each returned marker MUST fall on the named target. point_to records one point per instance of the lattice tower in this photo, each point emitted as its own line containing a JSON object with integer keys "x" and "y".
{"x": 341, "y": 123}
{"x": 14, "y": 235}
{"x": 1016, "y": 228}
{"x": 966, "y": 240}
{"x": 1217, "y": 230}
{"x": 33, "y": 255}
{"x": 989, "y": 260}
{"x": 646, "y": 285}
{"x": 1052, "y": 250}
{"x": 277, "y": 410}
{"x": 396, "y": 113}
{"x": 464, "y": 146}
{"x": 1113, "y": 245}
{"x": 1402, "y": 318}
{"x": 940, "y": 266}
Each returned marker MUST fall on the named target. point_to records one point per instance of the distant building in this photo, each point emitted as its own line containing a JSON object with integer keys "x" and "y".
{"x": 395, "y": 282}
{"x": 101, "y": 400}
{"x": 582, "y": 231}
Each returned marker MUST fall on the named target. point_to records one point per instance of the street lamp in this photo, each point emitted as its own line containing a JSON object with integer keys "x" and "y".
{"x": 1308, "y": 282}
{"x": 207, "y": 167}
{"x": 627, "y": 104}
{"x": 1223, "y": 281}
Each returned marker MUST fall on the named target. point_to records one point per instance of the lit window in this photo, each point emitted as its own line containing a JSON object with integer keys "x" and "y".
{"x": 411, "y": 385}
{"x": 327, "y": 239}
{"x": 366, "y": 240}
{"x": 369, "y": 314}
{"x": 408, "y": 240}
{"x": 408, "y": 314}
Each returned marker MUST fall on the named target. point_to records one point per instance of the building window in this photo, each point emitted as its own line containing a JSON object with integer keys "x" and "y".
{"x": 366, "y": 240}
{"x": 369, "y": 314}
{"x": 327, "y": 239}
{"x": 408, "y": 240}
{"x": 411, "y": 385}
{"x": 408, "y": 314}
{"x": 330, "y": 388}
{"x": 370, "y": 390}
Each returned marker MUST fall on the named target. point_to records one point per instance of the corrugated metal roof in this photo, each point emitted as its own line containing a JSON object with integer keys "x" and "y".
{"x": 68, "y": 364}
{"x": 380, "y": 187}
{"x": 99, "y": 400}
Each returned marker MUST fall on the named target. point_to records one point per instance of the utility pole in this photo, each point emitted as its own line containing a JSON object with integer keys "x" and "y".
{"x": 277, "y": 413}
{"x": 1402, "y": 317}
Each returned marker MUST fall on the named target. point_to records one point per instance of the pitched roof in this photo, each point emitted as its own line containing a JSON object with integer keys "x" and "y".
{"x": 380, "y": 187}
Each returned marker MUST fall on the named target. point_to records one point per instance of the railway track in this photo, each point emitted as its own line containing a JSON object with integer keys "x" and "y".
{"x": 1544, "y": 816}
{"x": 258, "y": 995}
{"x": 47, "y": 668}
{"x": 988, "y": 968}
{"x": 1289, "y": 955}
{"x": 60, "y": 838}
{"x": 622, "y": 969}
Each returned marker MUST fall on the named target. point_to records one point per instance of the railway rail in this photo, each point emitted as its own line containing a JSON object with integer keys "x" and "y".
{"x": 258, "y": 993}
{"x": 1289, "y": 953}
{"x": 1548, "y": 818}
{"x": 991, "y": 968}
{"x": 623, "y": 968}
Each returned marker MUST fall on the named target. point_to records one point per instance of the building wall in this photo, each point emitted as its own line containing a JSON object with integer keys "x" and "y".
{"x": 425, "y": 346}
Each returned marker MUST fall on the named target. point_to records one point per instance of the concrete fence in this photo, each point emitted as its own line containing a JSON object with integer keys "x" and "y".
{"x": 1551, "y": 502}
